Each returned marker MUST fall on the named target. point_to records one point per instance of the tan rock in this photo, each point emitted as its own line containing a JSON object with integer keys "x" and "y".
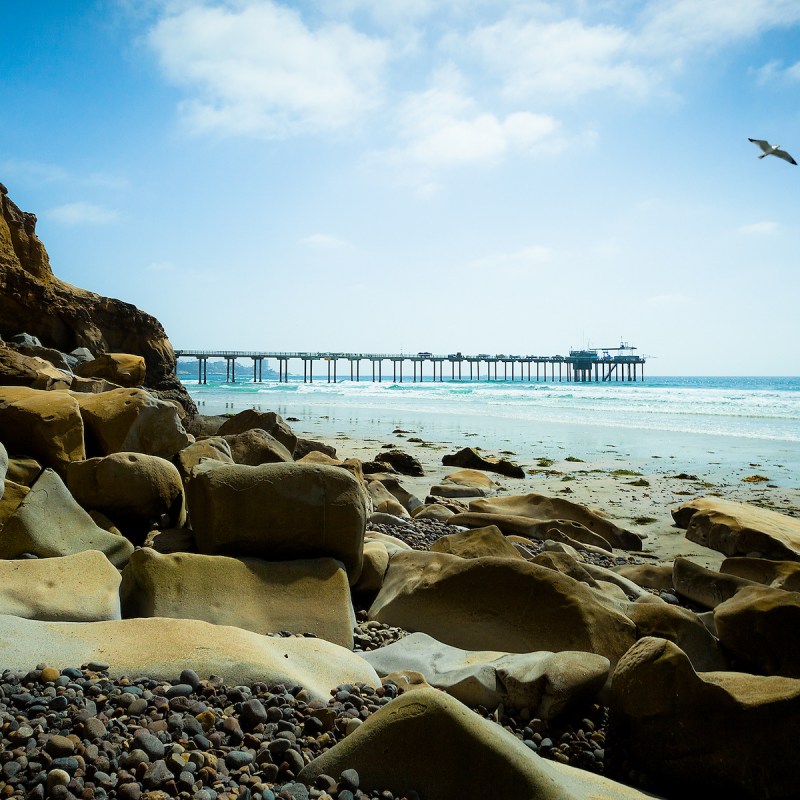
{"x": 734, "y": 735}
{"x": 471, "y": 477}
{"x": 45, "y": 425}
{"x": 683, "y": 628}
{"x": 544, "y": 683}
{"x": 306, "y": 446}
{"x": 214, "y": 448}
{"x": 384, "y": 502}
{"x": 49, "y": 523}
{"x": 137, "y": 492}
{"x": 17, "y": 369}
{"x": 92, "y": 385}
{"x": 390, "y": 482}
{"x": 279, "y": 512}
{"x": 760, "y": 626}
{"x": 23, "y": 470}
{"x": 473, "y": 757}
{"x": 274, "y": 424}
{"x": 777, "y": 574}
{"x": 452, "y": 490}
{"x": 374, "y": 566}
{"x": 256, "y": 447}
{"x": 352, "y": 465}
{"x": 131, "y": 420}
{"x": 500, "y": 604}
{"x": 476, "y": 543}
{"x": 83, "y": 587}
{"x": 435, "y": 511}
{"x": 160, "y": 648}
{"x": 391, "y": 543}
{"x": 124, "y": 369}
{"x": 13, "y": 495}
{"x": 739, "y": 529}
{"x": 705, "y": 586}
{"x": 309, "y": 596}
{"x": 541, "y": 507}
{"x": 648, "y": 576}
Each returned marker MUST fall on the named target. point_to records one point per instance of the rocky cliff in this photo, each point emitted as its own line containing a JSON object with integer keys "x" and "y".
{"x": 64, "y": 317}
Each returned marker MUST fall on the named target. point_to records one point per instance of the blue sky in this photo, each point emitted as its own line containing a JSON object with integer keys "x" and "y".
{"x": 410, "y": 175}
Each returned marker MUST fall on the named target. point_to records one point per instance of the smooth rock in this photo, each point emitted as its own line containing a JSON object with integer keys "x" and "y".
{"x": 310, "y": 596}
{"x": 476, "y": 543}
{"x": 384, "y": 502}
{"x": 374, "y": 565}
{"x": 433, "y": 511}
{"x": 471, "y": 477}
{"x": 648, "y": 576}
{"x": 124, "y": 369}
{"x": 404, "y": 463}
{"x": 469, "y": 458}
{"x": 705, "y": 586}
{"x": 214, "y": 448}
{"x": 13, "y": 495}
{"x": 255, "y": 446}
{"x": 777, "y": 574}
{"x": 274, "y": 424}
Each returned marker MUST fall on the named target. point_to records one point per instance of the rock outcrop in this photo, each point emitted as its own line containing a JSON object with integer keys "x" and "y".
{"x": 64, "y": 317}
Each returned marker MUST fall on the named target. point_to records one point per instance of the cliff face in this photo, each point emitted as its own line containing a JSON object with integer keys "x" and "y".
{"x": 33, "y": 300}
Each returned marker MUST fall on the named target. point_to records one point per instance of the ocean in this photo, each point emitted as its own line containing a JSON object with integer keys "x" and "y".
{"x": 721, "y": 427}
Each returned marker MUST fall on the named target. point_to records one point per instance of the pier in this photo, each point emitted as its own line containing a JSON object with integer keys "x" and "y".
{"x": 596, "y": 365}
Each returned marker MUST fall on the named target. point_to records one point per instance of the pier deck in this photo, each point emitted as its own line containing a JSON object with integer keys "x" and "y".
{"x": 581, "y": 366}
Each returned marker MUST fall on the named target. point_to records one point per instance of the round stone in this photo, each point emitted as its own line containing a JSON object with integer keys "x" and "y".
{"x": 57, "y": 777}
{"x": 349, "y": 780}
{"x": 191, "y": 677}
{"x": 50, "y": 675}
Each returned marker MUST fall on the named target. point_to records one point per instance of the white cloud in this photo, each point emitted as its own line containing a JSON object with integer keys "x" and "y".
{"x": 254, "y": 68}
{"x": 765, "y": 228}
{"x": 323, "y": 241}
{"x": 81, "y": 213}
{"x": 442, "y": 127}
{"x": 775, "y": 72}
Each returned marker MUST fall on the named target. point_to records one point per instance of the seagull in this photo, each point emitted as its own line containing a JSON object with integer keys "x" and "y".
{"x": 772, "y": 150}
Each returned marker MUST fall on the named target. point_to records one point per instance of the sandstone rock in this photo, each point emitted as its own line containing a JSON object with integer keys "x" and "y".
{"x": 274, "y": 424}
{"x": 48, "y": 523}
{"x": 538, "y": 530}
{"x": 137, "y": 492}
{"x": 473, "y": 757}
{"x": 497, "y": 604}
{"x": 17, "y": 369}
{"x": 538, "y": 506}
{"x": 310, "y": 596}
{"x": 434, "y": 511}
{"x": 65, "y": 317}
{"x": 374, "y": 566}
{"x": 306, "y": 446}
{"x": 214, "y": 448}
{"x": 45, "y": 425}
{"x": 409, "y": 501}
{"x": 759, "y": 626}
{"x": 55, "y": 357}
{"x": 156, "y": 647}
{"x": 720, "y": 734}
{"x": 279, "y": 512}
{"x": 131, "y": 420}
{"x": 23, "y": 470}
{"x": 648, "y": 576}
{"x": 777, "y": 574}
{"x": 453, "y": 490}
{"x": 469, "y": 458}
{"x": 471, "y": 477}
{"x": 739, "y": 529}
{"x": 256, "y": 447}
{"x": 392, "y": 543}
{"x": 13, "y": 495}
{"x": 683, "y": 628}
{"x": 123, "y": 369}
{"x": 83, "y": 587}
{"x": 91, "y": 385}
{"x": 705, "y": 586}
{"x": 374, "y": 468}
{"x": 384, "y": 502}
{"x": 352, "y": 465}
{"x": 450, "y": 503}
{"x": 544, "y": 683}
{"x": 476, "y": 543}
{"x": 404, "y": 463}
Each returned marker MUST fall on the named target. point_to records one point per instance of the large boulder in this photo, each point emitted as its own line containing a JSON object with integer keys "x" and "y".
{"x": 404, "y": 463}
{"x": 498, "y": 604}
{"x": 83, "y": 587}
{"x": 137, "y": 492}
{"x": 65, "y": 317}
{"x": 278, "y": 512}
{"x": 18, "y": 369}
{"x": 470, "y": 477}
{"x": 311, "y": 596}
{"x": 49, "y": 522}
{"x": 214, "y": 448}
{"x": 256, "y": 447}
{"x": 476, "y": 543}
{"x": 777, "y": 574}
{"x": 469, "y": 458}
{"x": 761, "y": 627}
{"x": 274, "y": 424}
{"x": 374, "y": 565}
{"x": 306, "y": 446}
{"x": 648, "y": 576}
{"x": 541, "y": 507}
{"x": 739, "y": 529}
{"x": 713, "y": 734}
{"x": 384, "y": 502}
{"x": 409, "y": 501}
{"x": 703, "y": 586}
{"x": 432, "y": 743}
{"x": 131, "y": 420}
{"x": 123, "y": 369}
{"x": 544, "y": 683}
{"x": 160, "y": 648}
{"x": 45, "y": 425}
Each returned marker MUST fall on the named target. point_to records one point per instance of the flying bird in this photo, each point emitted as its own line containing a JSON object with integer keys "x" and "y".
{"x": 772, "y": 150}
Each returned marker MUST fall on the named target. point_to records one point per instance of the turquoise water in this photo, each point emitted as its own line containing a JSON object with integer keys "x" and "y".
{"x": 720, "y": 425}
